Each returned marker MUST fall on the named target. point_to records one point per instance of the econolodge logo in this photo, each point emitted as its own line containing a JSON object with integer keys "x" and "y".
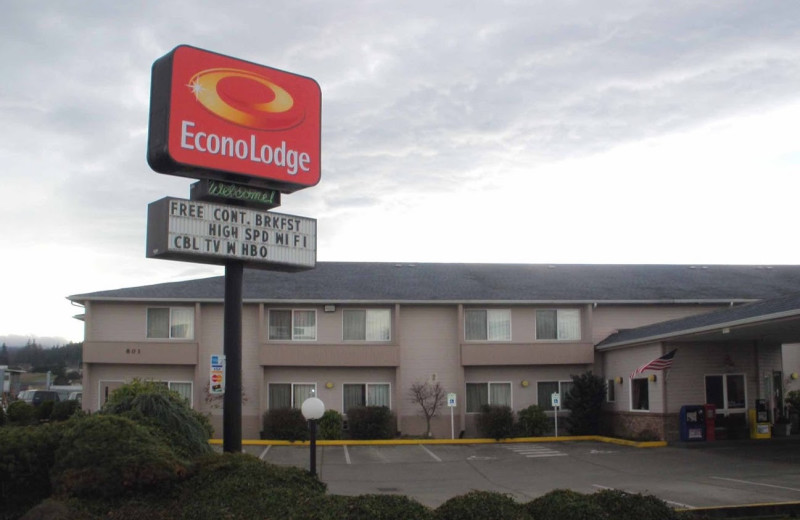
{"x": 215, "y": 116}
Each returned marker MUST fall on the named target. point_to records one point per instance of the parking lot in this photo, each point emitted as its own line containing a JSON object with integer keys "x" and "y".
{"x": 707, "y": 475}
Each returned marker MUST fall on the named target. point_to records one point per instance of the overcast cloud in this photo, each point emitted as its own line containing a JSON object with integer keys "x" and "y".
{"x": 523, "y": 131}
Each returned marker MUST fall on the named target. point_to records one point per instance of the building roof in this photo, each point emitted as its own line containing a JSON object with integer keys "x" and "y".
{"x": 340, "y": 282}
{"x": 778, "y": 318}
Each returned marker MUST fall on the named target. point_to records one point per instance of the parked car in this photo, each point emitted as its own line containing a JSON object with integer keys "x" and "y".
{"x": 76, "y": 396}
{"x": 37, "y": 397}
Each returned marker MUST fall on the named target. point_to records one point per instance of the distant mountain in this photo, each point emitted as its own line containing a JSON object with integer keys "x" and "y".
{"x": 15, "y": 340}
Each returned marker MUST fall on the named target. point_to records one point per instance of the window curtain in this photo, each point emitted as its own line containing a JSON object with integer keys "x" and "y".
{"x": 499, "y": 325}
{"x": 378, "y": 395}
{"x": 546, "y": 324}
{"x": 378, "y": 325}
{"x": 544, "y": 389}
{"x": 354, "y": 324}
{"x": 280, "y": 396}
{"x": 354, "y": 395}
{"x": 305, "y": 325}
{"x": 569, "y": 324}
{"x": 157, "y": 323}
{"x": 500, "y": 394}
{"x": 301, "y": 393}
{"x": 477, "y": 396}
{"x": 280, "y": 324}
{"x": 182, "y": 323}
{"x": 184, "y": 389}
{"x": 475, "y": 325}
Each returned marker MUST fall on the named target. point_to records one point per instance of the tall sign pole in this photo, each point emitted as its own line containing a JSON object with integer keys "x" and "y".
{"x": 248, "y": 133}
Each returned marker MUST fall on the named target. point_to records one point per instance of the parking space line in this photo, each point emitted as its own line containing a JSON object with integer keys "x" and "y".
{"x": 264, "y": 453}
{"x": 346, "y": 454}
{"x": 755, "y": 483}
{"x": 432, "y": 454}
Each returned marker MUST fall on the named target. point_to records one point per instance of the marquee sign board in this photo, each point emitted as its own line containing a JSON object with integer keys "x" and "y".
{"x": 213, "y": 116}
{"x": 204, "y": 232}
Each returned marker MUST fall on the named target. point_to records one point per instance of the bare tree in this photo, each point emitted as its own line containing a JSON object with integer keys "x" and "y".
{"x": 429, "y": 397}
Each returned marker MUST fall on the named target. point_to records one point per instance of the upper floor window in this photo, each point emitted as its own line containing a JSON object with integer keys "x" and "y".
{"x": 487, "y": 325}
{"x": 170, "y": 322}
{"x": 558, "y": 324}
{"x": 295, "y": 325}
{"x": 366, "y": 325}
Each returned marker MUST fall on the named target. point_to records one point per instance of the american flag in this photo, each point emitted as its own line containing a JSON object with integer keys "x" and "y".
{"x": 662, "y": 363}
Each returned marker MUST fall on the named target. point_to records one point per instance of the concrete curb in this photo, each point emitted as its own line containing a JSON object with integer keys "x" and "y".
{"x": 402, "y": 442}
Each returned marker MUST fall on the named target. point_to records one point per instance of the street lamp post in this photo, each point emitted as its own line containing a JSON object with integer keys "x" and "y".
{"x": 313, "y": 409}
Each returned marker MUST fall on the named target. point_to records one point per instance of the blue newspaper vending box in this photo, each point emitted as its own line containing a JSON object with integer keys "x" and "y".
{"x": 693, "y": 423}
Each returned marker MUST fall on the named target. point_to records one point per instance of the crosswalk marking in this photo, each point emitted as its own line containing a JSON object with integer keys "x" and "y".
{"x": 532, "y": 452}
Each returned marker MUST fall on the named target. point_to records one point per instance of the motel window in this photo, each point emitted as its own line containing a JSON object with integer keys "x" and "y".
{"x": 366, "y": 325}
{"x": 289, "y": 395}
{"x": 487, "y": 325}
{"x": 611, "y": 392}
{"x": 294, "y": 325}
{"x": 182, "y": 388}
{"x": 365, "y": 394}
{"x": 170, "y": 323}
{"x": 640, "y": 394}
{"x": 726, "y": 391}
{"x": 545, "y": 389}
{"x": 558, "y": 324}
{"x": 479, "y": 394}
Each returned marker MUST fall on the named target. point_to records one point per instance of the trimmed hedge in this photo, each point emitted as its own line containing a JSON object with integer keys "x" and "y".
{"x": 482, "y": 505}
{"x": 21, "y": 413}
{"x": 495, "y": 422}
{"x": 285, "y": 424}
{"x": 371, "y": 422}
{"x": 330, "y": 426}
{"x": 532, "y": 422}
{"x": 565, "y": 504}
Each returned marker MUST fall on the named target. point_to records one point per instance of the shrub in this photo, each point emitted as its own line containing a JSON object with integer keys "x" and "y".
{"x": 585, "y": 403}
{"x": 153, "y": 404}
{"x": 63, "y": 410}
{"x": 565, "y": 504}
{"x": 286, "y": 424}
{"x": 482, "y": 505}
{"x": 495, "y": 422}
{"x": 21, "y": 413}
{"x": 26, "y": 456}
{"x": 371, "y": 422}
{"x": 363, "y": 507}
{"x": 330, "y": 426}
{"x": 44, "y": 410}
{"x": 619, "y": 505}
{"x": 532, "y": 422}
{"x": 3, "y": 417}
{"x": 104, "y": 456}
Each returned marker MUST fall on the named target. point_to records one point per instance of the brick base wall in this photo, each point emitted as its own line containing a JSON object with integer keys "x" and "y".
{"x": 641, "y": 426}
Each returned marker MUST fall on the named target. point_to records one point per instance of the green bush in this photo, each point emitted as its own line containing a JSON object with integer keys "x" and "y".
{"x": 108, "y": 456}
{"x": 364, "y": 507}
{"x": 44, "y": 410}
{"x": 285, "y": 424}
{"x": 330, "y": 426}
{"x": 26, "y": 456}
{"x": 63, "y": 410}
{"x": 495, "y": 422}
{"x": 532, "y": 422}
{"x": 21, "y": 413}
{"x": 585, "y": 403}
{"x": 371, "y": 422}
{"x": 565, "y": 504}
{"x": 618, "y": 505}
{"x": 482, "y": 505}
{"x": 3, "y": 417}
{"x": 153, "y": 404}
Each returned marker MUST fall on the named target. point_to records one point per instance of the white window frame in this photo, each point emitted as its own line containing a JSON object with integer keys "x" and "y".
{"x": 489, "y": 336}
{"x": 366, "y": 393}
{"x": 725, "y": 400}
{"x": 630, "y": 395}
{"x": 291, "y": 395}
{"x": 367, "y": 312}
{"x": 559, "y": 330}
{"x": 561, "y": 393}
{"x": 170, "y": 325}
{"x": 488, "y": 393}
{"x": 292, "y": 336}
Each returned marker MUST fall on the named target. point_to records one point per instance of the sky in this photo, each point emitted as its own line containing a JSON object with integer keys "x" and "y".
{"x": 452, "y": 131}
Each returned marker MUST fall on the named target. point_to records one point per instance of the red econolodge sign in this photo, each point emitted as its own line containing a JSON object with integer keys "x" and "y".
{"x": 213, "y": 116}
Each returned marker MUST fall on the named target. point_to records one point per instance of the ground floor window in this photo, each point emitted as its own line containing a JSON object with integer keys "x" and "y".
{"x": 611, "y": 394}
{"x": 479, "y": 394}
{"x": 726, "y": 391}
{"x": 640, "y": 394}
{"x": 289, "y": 395}
{"x": 365, "y": 394}
{"x": 184, "y": 388}
{"x": 545, "y": 389}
